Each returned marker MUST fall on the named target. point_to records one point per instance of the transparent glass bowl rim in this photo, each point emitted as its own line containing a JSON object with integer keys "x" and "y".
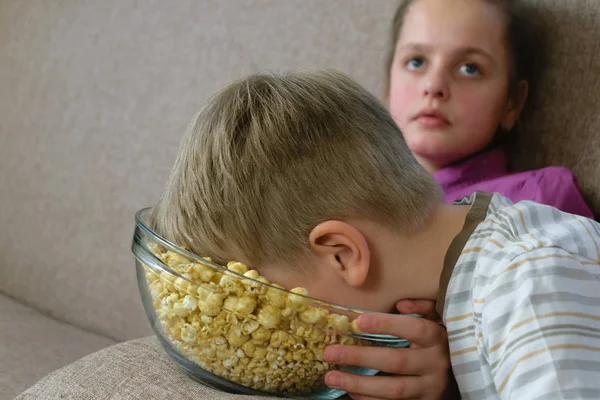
{"x": 139, "y": 216}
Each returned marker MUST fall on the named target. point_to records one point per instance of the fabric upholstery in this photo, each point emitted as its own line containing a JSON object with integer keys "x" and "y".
{"x": 564, "y": 126}
{"x": 33, "y": 345}
{"x": 138, "y": 369}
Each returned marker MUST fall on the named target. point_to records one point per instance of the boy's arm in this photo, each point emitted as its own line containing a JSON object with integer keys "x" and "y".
{"x": 540, "y": 327}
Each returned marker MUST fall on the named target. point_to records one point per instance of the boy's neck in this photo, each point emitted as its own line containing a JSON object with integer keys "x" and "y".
{"x": 420, "y": 257}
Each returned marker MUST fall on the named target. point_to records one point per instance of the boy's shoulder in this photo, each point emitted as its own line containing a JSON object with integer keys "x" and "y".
{"x": 510, "y": 230}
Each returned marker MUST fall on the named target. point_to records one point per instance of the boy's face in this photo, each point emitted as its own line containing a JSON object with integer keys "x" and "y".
{"x": 449, "y": 79}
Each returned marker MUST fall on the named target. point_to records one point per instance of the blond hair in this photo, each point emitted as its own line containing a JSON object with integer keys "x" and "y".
{"x": 272, "y": 156}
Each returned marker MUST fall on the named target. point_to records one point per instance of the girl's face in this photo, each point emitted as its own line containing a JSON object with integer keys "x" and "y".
{"x": 449, "y": 80}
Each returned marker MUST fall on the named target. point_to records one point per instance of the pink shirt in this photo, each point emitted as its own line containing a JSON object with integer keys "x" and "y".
{"x": 554, "y": 186}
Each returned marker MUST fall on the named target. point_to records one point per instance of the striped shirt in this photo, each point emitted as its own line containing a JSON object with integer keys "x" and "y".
{"x": 520, "y": 298}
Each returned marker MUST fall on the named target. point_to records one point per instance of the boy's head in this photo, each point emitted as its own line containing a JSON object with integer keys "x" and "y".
{"x": 275, "y": 170}
{"x": 467, "y": 62}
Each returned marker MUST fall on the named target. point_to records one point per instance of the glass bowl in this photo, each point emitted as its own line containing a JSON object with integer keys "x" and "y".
{"x": 232, "y": 330}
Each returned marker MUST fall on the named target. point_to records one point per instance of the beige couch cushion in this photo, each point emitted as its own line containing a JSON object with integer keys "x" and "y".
{"x": 138, "y": 369}
{"x": 34, "y": 345}
{"x": 564, "y": 128}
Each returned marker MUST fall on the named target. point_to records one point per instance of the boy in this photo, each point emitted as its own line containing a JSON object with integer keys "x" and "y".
{"x": 306, "y": 178}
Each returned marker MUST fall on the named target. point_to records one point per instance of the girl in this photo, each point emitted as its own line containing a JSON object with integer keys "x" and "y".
{"x": 458, "y": 78}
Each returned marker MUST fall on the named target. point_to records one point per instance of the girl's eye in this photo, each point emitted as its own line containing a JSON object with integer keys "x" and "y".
{"x": 415, "y": 63}
{"x": 469, "y": 70}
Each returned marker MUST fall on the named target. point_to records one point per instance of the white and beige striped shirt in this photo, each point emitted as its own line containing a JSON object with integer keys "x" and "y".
{"x": 520, "y": 298}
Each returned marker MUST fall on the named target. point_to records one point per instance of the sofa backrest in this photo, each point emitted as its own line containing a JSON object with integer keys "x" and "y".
{"x": 95, "y": 96}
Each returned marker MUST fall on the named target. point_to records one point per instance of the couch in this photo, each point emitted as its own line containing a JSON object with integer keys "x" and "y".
{"x": 94, "y": 98}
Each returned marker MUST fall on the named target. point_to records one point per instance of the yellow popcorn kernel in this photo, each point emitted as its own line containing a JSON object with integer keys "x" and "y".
{"x": 248, "y": 348}
{"x": 278, "y": 338}
{"x": 262, "y": 334}
{"x": 271, "y": 356}
{"x": 188, "y": 333}
{"x": 252, "y": 274}
{"x": 209, "y": 353}
{"x": 217, "y": 278}
{"x": 168, "y": 301}
{"x": 151, "y": 276}
{"x": 231, "y": 285}
{"x": 209, "y": 309}
{"x": 205, "y": 319}
{"x": 179, "y": 309}
{"x": 237, "y": 267}
{"x": 216, "y": 299}
{"x": 185, "y": 272}
{"x": 205, "y": 331}
{"x": 289, "y": 356}
{"x": 231, "y": 303}
{"x": 236, "y": 337}
{"x": 232, "y": 319}
{"x": 259, "y": 354}
{"x": 192, "y": 288}
{"x": 219, "y": 341}
{"x": 249, "y": 326}
{"x": 205, "y": 273}
{"x": 331, "y": 337}
{"x": 222, "y": 354}
{"x": 168, "y": 277}
{"x": 157, "y": 290}
{"x": 298, "y": 327}
{"x": 204, "y": 291}
{"x": 276, "y": 297}
{"x": 269, "y": 316}
{"x": 318, "y": 353}
{"x": 260, "y": 372}
{"x": 221, "y": 318}
{"x": 288, "y": 313}
{"x": 297, "y": 302}
{"x": 190, "y": 303}
{"x": 230, "y": 361}
{"x": 314, "y": 316}
{"x": 174, "y": 259}
{"x": 315, "y": 336}
{"x": 354, "y": 327}
{"x": 154, "y": 248}
{"x": 347, "y": 340}
{"x": 338, "y": 322}
{"x": 245, "y": 305}
{"x": 242, "y": 356}
{"x": 284, "y": 325}
{"x": 262, "y": 289}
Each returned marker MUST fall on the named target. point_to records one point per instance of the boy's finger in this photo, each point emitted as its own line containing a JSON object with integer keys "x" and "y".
{"x": 426, "y": 308}
{"x": 416, "y": 330}
{"x": 380, "y": 387}
{"x": 393, "y": 361}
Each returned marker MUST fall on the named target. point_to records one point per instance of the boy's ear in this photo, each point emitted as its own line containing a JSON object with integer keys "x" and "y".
{"x": 344, "y": 248}
{"x": 515, "y": 105}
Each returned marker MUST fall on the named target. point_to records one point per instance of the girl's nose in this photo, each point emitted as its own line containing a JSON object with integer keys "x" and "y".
{"x": 435, "y": 86}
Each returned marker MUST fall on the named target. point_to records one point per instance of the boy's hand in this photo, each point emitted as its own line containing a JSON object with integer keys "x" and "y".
{"x": 418, "y": 372}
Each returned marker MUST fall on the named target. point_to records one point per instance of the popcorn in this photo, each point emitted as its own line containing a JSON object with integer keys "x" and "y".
{"x": 262, "y": 337}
